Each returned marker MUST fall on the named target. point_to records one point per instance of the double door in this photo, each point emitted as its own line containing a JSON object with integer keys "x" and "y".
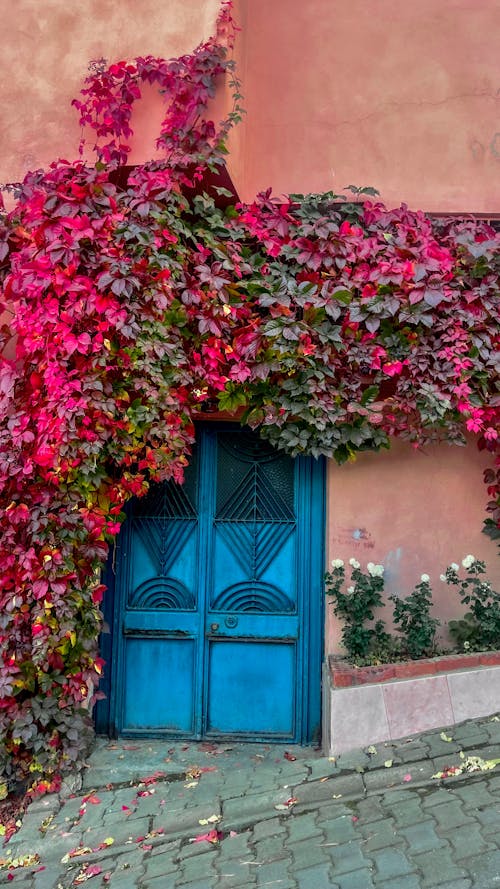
{"x": 217, "y": 604}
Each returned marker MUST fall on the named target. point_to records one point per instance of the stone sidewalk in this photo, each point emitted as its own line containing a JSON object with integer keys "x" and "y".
{"x": 173, "y": 815}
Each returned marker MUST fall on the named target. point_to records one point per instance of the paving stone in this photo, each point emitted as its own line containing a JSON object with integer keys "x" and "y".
{"x": 323, "y": 768}
{"x": 232, "y": 874}
{"x": 336, "y": 809}
{"x": 308, "y": 852}
{"x": 467, "y": 841}
{"x": 451, "y": 815}
{"x": 494, "y": 784}
{"x": 410, "y": 752}
{"x": 407, "y": 881}
{"x": 457, "y": 884}
{"x": 394, "y": 776}
{"x": 302, "y": 826}
{"x": 340, "y": 830}
{"x": 396, "y": 796}
{"x": 269, "y": 828}
{"x": 346, "y": 858}
{"x": 192, "y": 884}
{"x": 422, "y": 836}
{"x": 160, "y": 864}
{"x": 252, "y": 804}
{"x": 474, "y": 795}
{"x": 437, "y": 746}
{"x": 344, "y": 785}
{"x": 492, "y": 728}
{"x": 234, "y": 847}
{"x": 315, "y": 877}
{"x": 436, "y": 797}
{"x": 406, "y": 812}
{"x": 380, "y": 835}
{"x": 270, "y": 849}
{"x": 197, "y": 869}
{"x": 489, "y": 818}
{"x": 274, "y": 874}
{"x": 360, "y": 879}
{"x": 484, "y": 870}
{"x": 370, "y": 809}
{"x": 353, "y": 760}
{"x": 120, "y": 831}
{"x": 437, "y": 864}
{"x": 391, "y": 863}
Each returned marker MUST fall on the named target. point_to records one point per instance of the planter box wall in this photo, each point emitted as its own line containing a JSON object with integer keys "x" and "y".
{"x": 366, "y": 705}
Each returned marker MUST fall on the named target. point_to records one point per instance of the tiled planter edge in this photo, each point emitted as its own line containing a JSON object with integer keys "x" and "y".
{"x": 366, "y": 705}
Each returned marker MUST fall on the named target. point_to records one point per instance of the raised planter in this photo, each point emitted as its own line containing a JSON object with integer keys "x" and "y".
{"x": 366, "y": 705}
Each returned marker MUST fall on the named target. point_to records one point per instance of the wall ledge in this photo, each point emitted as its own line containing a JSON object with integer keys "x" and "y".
{"x": 343, "y": 674}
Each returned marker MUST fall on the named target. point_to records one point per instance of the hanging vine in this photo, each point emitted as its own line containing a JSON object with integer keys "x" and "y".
{"x": 335, "y": 324}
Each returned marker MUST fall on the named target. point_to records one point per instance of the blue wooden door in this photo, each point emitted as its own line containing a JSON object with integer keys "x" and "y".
{"x": 218, "y": 597}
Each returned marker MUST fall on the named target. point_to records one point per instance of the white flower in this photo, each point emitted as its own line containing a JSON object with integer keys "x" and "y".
{"x": 442, "y": 577}
{"x": 354, "y": 563}
{"x": 350, "y": 590}
{"x": 468, "y": 561}
{"x": 424, "y": 578}
{"x": 454, "y": 566}
{"x": 375, "y": 570}
{"x": 337, "y": 563}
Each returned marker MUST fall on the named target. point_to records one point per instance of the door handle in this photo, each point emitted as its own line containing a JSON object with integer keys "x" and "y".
{"x": 214, "y": 628}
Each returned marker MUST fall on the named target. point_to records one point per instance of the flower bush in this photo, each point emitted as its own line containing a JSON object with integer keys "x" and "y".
{"x": 334, "y": 322}
{"x": 364, "y": 636}
{"x": 480, "y": 626}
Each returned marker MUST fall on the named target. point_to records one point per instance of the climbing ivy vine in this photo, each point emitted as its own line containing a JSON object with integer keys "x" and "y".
{"x": 331, "y": 322}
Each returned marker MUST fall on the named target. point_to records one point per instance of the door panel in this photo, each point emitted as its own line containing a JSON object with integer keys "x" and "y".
{"x": 159, "y": 686}
{"x": 250, "y": 688}
{"x": 216, "y": 587}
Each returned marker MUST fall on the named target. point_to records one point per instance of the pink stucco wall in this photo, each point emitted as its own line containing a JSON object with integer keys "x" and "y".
{"x": 46, "y": 48}
{"x": 414, "y": 512}
{"x": 401, "y": 96}
{"x": 404, "y": 97}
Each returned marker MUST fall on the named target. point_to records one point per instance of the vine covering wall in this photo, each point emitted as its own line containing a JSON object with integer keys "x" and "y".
{"x": 334, "y": 323}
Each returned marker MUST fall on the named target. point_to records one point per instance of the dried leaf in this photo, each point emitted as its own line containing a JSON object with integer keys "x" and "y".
{"x": 388, "y": 763}
{"x": 289, "y": 756}
{"x": 445, "y": 737}
{"x": 191, "y": 784}
{"x": 213, "y": 836}
{"x": 371, "y": 750}
{"x": 212, "y": 820}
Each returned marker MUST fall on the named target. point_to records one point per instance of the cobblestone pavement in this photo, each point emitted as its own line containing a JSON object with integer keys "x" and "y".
{"x": 286, "y": 818}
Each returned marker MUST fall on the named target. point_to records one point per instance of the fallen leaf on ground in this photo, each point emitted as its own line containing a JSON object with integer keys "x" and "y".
{"x": 212, "y": 820}
{"x": 213, "y": 836}
{"x": 287, "y": 804}
{"x": 371, "y": 750}
{"x": 152, "y": 779}
{"x": 337, "y": 796}
{"x": 388, "y": 763}
{"x": 76, "y": 853}
{"x": 20, "y": 861}
{"x": 468, "y": 764}
{"x": 191, "y": 784}
{"x": 445, "y": 737}
{"x": 407, "y": 778}
{"x": 289, "y": 756}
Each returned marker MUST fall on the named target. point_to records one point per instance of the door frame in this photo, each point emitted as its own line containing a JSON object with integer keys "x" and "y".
{"x": 311, "y": 515}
